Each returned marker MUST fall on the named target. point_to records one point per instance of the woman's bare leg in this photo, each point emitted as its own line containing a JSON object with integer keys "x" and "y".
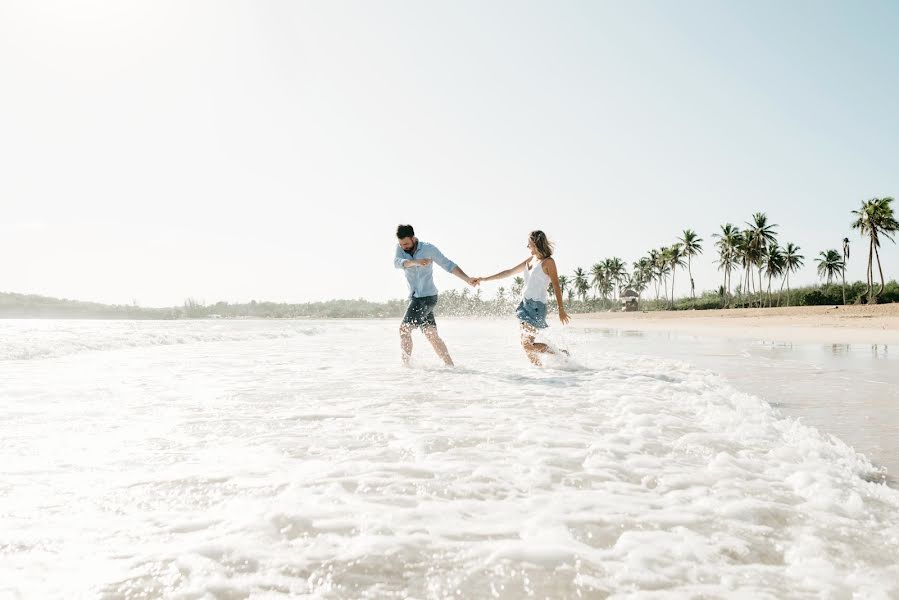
{"x": 532, "y": 348}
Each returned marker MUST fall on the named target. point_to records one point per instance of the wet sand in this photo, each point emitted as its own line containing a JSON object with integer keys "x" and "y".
{"x": 877, "y": 324}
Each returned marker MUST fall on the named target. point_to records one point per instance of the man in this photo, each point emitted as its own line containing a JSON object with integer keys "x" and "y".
{"x": 416, "y": 259}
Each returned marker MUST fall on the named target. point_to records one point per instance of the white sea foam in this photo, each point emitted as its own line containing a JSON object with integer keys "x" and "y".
{"x": 271, "y": 465}
{"x": 37, "y": 339}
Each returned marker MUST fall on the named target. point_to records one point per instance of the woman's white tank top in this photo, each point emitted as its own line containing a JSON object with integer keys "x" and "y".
{"x": 536, "y": 282}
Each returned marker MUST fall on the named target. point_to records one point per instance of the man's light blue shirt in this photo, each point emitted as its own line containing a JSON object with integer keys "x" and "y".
{"x": 421, "y": 279}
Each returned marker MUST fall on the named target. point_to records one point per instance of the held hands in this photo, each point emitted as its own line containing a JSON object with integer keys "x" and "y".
{"x": 424, "y": 262}
{"x": 474, "y": 281}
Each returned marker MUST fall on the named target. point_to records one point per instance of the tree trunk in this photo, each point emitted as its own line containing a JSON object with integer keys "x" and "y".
{"x": 665, "y": 290}
{"x": 843, "y": 271}
{"x": 747, "y": 283}
{"x": 673, "y": 272}
{"x": 870, "y": 288}
{"x": 786, "y": 282}
{"x": 761, "y": 290}
{"x": 759, "y": 287}
{"x": 727, "y": 286}
{"x": 747, "y": 286}
{"x": 763, "y": 300}
{"x": 692, "y": 287}
{"x": 880, "y": 269}
{"x": 788, "y": 288}
{"x": 780, "y": 293}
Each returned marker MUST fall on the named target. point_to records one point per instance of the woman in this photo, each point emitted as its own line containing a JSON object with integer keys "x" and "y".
{"x": 538, "y": 270}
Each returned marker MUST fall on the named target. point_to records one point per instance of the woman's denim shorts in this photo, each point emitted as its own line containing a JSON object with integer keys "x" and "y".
{"x": 532, "y": 312}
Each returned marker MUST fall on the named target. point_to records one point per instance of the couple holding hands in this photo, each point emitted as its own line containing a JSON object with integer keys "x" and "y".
{"x": 416, "y": 259}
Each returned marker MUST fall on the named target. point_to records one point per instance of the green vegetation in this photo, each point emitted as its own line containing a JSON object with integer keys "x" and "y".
{"x": 875, "y": 220}
{"x": 22, "y": 306}
{"x": 27, "y": 306}
{"x": 760, "y": 263}
{"x": 452, "y": 304}
{"x": 753, "y": 254}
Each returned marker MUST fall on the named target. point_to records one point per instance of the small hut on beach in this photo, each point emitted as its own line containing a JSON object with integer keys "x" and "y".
{"x": 629, "y": 300}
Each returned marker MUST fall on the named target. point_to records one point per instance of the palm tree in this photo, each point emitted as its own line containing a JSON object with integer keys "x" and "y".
{"x": 642, "y": 275}
{"x": 774, "y": 265}
{"x": 662, "y": 273}
{"x": 845, "y": 261}
{"x": 597, "y": 278}
{"x": 563, "y": 284}
{"x": 746, "y": 258}
{"x": 580, "y": 284}
{"x": 875, "y": 219}
{"x": 655, "y": 261}
{"x": 761, "y": 234}
{"x": 675, "y": 260}
{"x": 792, "y": 263}
{"x": 692, "y": 247}
{"x": 606, "y": 287}
{"x": 829, "y": 265}
{"x": 501, "y": 295}
{"x": 727, "y": 243}
{"x": 663, "y": 269}
{"x": 608, "y": 283}
{"x": 616, "y": 272}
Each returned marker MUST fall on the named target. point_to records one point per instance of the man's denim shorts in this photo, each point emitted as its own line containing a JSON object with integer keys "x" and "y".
{"x": 421, "y": 312}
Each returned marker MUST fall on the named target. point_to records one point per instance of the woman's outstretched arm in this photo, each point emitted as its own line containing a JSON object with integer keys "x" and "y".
{"x": 503, "y": 274}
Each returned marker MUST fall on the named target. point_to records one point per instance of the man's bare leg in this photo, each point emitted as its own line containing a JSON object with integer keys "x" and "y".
{"x": 439, "y": 346}
{"x": 406, "y": 343}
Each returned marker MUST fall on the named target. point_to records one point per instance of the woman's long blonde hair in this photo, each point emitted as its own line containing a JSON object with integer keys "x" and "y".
{"x": 544, "y": 246}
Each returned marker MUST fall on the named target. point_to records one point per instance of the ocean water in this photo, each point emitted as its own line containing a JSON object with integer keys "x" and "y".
{"x": 848, "y": 390}
{"x": 275, "y": 459}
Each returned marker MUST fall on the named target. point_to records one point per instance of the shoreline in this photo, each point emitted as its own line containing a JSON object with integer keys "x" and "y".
{"x": 849, "y": 324}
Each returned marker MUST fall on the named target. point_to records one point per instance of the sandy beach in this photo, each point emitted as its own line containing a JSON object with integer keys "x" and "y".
{"x": 863, "y": 324}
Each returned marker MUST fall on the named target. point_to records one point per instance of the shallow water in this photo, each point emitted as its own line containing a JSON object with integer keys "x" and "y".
{"x": 288, "y": 458}
{"x": 850, "y": 391}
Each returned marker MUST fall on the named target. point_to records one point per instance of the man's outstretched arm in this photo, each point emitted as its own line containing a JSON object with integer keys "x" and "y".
{"x": 451, "y": 267}
{"x": 458, "y": 272}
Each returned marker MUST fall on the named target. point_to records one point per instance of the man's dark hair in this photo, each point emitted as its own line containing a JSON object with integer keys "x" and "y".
{"x": 404, "y": 231}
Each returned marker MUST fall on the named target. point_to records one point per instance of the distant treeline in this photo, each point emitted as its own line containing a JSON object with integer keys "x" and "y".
{"x": 817, "y": 295}
{"x": 452, "y": 303}
{"x": 25, "y": 306}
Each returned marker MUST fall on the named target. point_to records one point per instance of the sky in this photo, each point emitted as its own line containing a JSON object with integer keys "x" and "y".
{"x": 155, "y": 151}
